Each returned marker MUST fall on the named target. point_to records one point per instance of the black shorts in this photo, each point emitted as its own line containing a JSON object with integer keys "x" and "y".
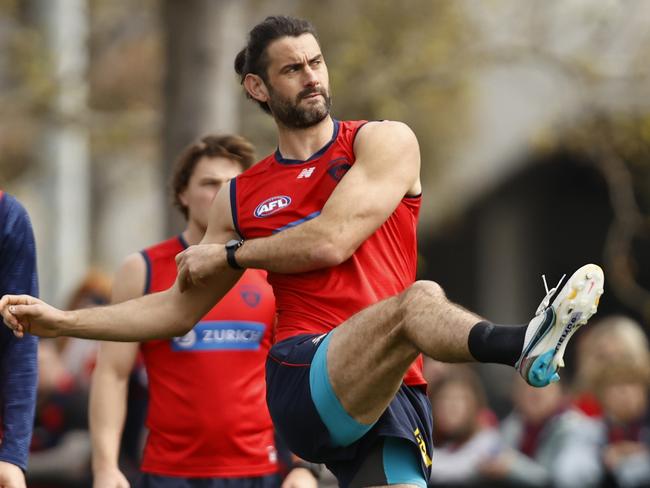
{"x": 316, "y": 427}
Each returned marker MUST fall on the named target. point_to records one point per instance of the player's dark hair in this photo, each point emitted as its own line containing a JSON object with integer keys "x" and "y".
{"x": 233, "y": 147}
{"x": 253, "y": 58}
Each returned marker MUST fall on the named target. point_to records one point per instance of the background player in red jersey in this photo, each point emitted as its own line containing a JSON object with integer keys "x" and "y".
{"x": 211, "y": 426}
{"x": 348, "y": 393}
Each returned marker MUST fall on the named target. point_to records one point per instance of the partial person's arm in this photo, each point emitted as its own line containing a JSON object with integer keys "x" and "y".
{"x": 300, "y": 478}
{"x": 160, "y": 315}
{"x": 109, "y": 385}
{"x": 11, "y": 476}
{"x": 387, "y": 167}
{"x": 18, "y": 385}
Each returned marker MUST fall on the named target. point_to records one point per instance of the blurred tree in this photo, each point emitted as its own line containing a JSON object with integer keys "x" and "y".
{"x": 25, "y": 87}
{"x": 201, "y": 91}
{"x": 61, "y": 145}
{"x": 619, "y": 147}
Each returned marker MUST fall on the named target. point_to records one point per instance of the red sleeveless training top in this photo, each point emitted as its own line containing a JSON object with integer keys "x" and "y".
{"x": 278, "y": 193}
{"x": 207, "y": 393}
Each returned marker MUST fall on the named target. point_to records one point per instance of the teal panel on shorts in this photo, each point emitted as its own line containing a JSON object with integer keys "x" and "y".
{"x": 343, "y": 429}
{"x": 402, "y": 463}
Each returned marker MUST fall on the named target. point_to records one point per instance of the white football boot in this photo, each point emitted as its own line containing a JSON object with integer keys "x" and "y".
{"x": 554, "y": 323}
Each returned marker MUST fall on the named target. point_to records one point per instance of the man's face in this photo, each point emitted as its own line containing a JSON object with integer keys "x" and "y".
{"x": 297, "y": 82}
{"x": 209, "y": 175}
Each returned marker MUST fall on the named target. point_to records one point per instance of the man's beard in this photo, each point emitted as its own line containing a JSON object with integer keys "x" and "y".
{"x": 292, "y": 115}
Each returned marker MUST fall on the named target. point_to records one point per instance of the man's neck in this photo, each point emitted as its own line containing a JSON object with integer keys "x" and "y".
{"x": 193, "y": 233}
{"x": 301, "y": 144}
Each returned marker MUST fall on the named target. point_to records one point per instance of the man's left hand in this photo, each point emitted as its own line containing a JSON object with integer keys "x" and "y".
{"x": 197, "y": 264}
{"x": 11, "y": 476}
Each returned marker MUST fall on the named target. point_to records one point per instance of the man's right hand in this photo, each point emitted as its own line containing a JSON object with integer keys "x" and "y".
{"x": 110, "y": 478}
{"x": 24, "y": 313}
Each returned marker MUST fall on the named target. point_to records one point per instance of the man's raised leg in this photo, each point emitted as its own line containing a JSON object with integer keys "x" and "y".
{"x": 368, "y": 355}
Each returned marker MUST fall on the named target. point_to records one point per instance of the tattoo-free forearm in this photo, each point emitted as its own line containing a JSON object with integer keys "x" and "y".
{"x": 107, "y": 412}
{"x": 156, "y": 316}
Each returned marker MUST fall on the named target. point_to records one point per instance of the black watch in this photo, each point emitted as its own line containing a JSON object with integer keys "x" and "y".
{"x": 231, "y": 247}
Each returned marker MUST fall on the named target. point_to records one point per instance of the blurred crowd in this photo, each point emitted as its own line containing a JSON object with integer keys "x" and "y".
{"x": 592, "y": 431}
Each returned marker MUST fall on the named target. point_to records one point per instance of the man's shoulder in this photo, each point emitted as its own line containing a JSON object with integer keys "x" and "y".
{"x": 14, "y": 219}
{"x": 11, "y": 210}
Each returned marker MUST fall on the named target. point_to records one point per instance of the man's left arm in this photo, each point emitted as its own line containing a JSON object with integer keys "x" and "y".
{"x": 386, "y": 168}
{"x": 18, "y": 385}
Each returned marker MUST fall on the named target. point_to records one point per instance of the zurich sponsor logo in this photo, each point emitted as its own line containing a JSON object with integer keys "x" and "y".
{"x": 272, "y": 205}
{"x": 214, "y": 335}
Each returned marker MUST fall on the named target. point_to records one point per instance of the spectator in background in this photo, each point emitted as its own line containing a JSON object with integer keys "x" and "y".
{"x": 545, "y": 443}
{"x": 60, "y": 451}
{"x": 462, "y": 437}
{"x": 611, "y": 340}
{"x": 623, "y": 433}
{"x": 17, "y": 385}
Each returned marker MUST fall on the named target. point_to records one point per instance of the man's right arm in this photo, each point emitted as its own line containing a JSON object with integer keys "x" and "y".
{"x": 159, "y": 315}
{"x": 109, "y": 386}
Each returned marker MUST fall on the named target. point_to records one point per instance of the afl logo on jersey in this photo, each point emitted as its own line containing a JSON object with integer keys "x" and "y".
{"x": 272, "y": 205}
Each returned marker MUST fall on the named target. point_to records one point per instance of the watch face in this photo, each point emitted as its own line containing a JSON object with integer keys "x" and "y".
{"x": 233, "y": 243}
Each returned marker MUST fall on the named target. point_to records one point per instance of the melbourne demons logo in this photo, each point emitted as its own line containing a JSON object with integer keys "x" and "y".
{"x": 251, "y": 295}
{"x": 338, "y": 167}
{"x": 272, "y": 205}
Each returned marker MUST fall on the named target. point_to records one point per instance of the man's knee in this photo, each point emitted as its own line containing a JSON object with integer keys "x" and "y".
{"x": 421, "y": 295}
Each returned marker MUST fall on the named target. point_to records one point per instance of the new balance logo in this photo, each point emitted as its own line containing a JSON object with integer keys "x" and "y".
{"x": 316, "y": 340}
{"x": 306, "y": 173}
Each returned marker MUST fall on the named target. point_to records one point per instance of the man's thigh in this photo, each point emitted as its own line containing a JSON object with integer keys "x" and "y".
{"x": 367, "y": 358}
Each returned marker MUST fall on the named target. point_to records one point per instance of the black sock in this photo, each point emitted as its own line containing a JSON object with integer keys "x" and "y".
{"x": 490, "y": 343}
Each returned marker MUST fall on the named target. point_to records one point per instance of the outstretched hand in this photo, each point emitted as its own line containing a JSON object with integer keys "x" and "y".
{"x": 24, "y": 313}
{"x": 197, "y": 264}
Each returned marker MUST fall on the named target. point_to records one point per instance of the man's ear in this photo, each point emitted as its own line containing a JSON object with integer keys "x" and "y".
{"x": 182, "y": 198}
{"x": 256, "y": 88}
